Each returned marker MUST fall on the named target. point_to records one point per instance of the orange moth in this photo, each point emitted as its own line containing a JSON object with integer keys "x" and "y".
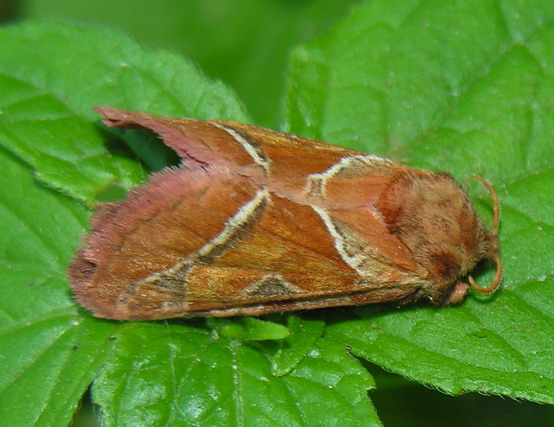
{"x": 256, "y": 221}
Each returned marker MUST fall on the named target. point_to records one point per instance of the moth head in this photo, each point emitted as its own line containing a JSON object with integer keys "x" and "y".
{"x": 433, "y": 216}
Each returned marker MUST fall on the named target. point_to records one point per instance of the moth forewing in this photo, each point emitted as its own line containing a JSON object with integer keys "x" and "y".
{"x": 259, "y": 221}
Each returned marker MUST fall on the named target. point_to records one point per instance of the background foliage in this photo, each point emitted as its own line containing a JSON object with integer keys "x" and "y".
{"x": 465, "y": 87}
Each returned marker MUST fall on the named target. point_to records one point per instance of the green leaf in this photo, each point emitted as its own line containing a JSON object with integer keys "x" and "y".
{"x": 63, "y": 148}
{"x": 51, "y": 349}
{"x": 466, "y": 87}
{"x": 52, "y": 75}
{"x": 176, "y": 375}
{"x": 248, "y": 328}
{"x": 304, "y": 333}
{"x": 463, "y": 86}
{"x": 245, "y": 44}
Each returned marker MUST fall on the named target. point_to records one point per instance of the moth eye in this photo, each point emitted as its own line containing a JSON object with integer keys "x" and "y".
{"x": 446, "y": 264}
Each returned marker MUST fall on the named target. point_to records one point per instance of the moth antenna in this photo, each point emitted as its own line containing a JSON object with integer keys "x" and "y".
{"x": 495, "y": 203}
{"x": 496, "y": 222}
{"x": 495, "y": 282}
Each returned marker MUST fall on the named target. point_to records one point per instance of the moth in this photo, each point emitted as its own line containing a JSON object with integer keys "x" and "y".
{"x": 255, "y": 221}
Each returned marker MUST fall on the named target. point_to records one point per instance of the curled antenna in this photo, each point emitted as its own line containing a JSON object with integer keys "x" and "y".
{"x": 496, "y": 281}
{"x": 496, "y": 222}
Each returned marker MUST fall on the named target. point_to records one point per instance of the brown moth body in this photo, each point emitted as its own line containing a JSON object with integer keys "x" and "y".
{"x": 257, "y": 221}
